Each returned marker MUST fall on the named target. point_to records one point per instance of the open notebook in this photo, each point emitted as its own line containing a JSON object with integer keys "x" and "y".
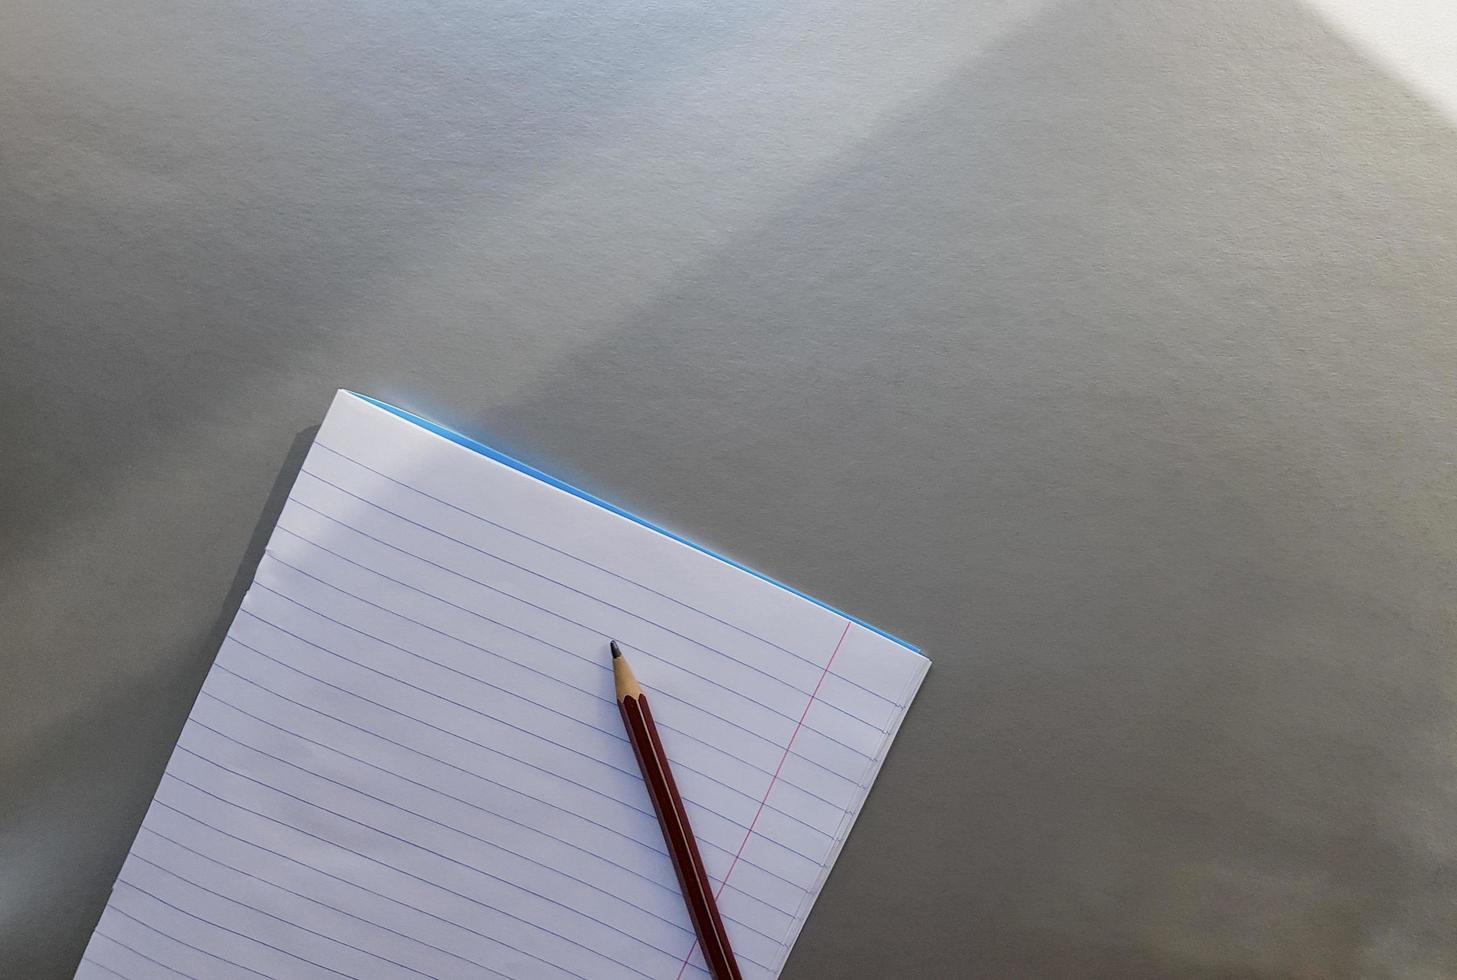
{"x": 407, "y": 761}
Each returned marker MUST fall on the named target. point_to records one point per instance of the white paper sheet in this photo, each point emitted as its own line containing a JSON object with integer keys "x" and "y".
{"x": 407, "y": 761}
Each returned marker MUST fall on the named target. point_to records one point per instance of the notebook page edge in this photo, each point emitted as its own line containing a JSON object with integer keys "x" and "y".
{"x": 852, "y": 812}
{"x": 474, "y": 445}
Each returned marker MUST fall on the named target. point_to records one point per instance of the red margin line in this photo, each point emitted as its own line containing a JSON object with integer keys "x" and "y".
{"x": 772, "y": 780}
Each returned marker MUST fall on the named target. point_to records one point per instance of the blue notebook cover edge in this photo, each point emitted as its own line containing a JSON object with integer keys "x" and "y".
{"x": 516, "y": 464}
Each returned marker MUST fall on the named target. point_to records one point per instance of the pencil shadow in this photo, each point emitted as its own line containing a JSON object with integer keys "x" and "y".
{"x": 123, "y": 742}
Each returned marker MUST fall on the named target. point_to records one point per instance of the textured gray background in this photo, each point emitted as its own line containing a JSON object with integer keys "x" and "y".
{"x": 1105, "y": 348}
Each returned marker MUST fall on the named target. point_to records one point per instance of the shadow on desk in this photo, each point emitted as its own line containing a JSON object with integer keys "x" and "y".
{"x": 127, "y": 760}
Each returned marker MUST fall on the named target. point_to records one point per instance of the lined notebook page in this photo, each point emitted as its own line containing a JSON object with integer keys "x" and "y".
{"x": 407, "y": 760}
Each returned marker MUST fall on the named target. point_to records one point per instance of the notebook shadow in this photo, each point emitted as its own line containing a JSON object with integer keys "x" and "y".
{"x": 94, "y": 820}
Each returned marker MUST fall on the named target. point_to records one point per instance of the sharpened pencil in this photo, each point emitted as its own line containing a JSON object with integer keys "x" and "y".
{"x": 673, "y": 819}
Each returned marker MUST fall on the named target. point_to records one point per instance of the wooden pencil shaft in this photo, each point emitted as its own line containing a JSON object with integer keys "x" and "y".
{"x": 693, "y": 880}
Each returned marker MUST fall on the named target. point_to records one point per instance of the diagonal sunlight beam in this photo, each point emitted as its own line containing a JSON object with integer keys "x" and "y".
{"x": 1415, "y": 40}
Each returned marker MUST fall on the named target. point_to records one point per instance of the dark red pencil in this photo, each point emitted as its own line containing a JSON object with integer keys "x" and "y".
{"x": 677, "y": 834}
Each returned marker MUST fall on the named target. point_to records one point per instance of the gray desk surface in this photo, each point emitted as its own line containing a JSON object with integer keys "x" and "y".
{"x": 1103, "y": 348}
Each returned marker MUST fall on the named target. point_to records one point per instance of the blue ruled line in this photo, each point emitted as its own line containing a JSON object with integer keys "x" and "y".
{"x": 595, "y": 665}
{"x": 444, "y": 857}
{"x": 334, "y": 908}
{"x": 430, "y": 820}
{"x": 532, "y": 471}
{"x": 196, "y": 949}
{"x": 653, "y": 849}
{"x": 305, "y": 471}
{"x": 276, "y": 918}
{"x": 786, "y": 716}
{"x": 136, "y": 952}
{"x": 671, "y": 890}
{"x": 525, "y": 731}
{"x": 375, "y": 860}
{"x": 544, "y": 771}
